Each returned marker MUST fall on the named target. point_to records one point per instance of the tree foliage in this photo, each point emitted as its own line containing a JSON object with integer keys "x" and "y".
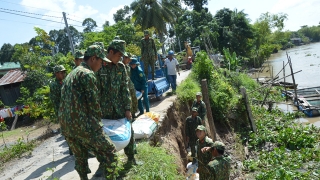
{"x": 197, "y": 5}
{"x": 89, "y": 25}
{"x": 122, "y": 14}
{"x": 6, "y": 52}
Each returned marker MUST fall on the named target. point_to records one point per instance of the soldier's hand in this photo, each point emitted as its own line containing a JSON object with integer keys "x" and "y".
{"x": 128, "y": 115}
{"x": 142, "y": 91}
{"x": 205, "y": 149}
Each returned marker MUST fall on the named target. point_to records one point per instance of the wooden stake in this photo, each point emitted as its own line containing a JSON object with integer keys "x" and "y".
{"x": 14, "y": 122}
{"x": 205, "y": 96}
{"x": 249, "y": 113}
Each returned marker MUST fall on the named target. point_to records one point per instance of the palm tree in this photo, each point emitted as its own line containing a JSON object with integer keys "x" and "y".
{"x": 155, "y": 13}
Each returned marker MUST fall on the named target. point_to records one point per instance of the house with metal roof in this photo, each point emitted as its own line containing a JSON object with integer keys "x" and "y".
{"x": 7, "y": 66}
{"x": 10, "y": 86}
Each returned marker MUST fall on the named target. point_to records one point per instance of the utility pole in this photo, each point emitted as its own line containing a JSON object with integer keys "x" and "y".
{"x": 68, "y": 31}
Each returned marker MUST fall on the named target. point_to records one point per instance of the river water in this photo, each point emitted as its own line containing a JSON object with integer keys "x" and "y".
{"x": 305, "y": 58}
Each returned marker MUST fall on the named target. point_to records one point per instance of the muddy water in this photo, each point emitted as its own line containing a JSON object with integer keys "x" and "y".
{"x": 305, "y": 58}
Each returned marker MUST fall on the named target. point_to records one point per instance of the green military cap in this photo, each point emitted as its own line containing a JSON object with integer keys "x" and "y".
{"x": 58, "y": 68}
{"x": 201, "y": 128}
{"x": 78, "y": 54}
{"x": 119, "y": 45}
{"x": 96, "y": 50}
{"x": 218, "y": 145}
{"x": 129, "y": 55}
{"x": 195, "y": 109}
{"x": 99, "y": 43}
{"x": 146, "y": 32}
{"x": 199, "y": 94}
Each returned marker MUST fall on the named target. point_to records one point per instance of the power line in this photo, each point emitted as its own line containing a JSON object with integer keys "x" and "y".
{"x": 29, "y": 6}
{"x": 28, "y": 23}
{"x": 38, "y": 18}
{"x": 29, "y": 13}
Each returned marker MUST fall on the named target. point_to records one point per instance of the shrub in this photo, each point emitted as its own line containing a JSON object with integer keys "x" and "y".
{"x": 187, "y": 89}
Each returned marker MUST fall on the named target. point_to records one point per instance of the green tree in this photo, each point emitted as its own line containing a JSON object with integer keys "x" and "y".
{"x": 6, "y": 52}
{"x": 89, "y": 24}
{"x": 154, "y": 13}
{"x": 121, "y": 14}
{"x": 197, "y": 5}
{"x": 234, "y": 31}
{"x": 192, "y": 24}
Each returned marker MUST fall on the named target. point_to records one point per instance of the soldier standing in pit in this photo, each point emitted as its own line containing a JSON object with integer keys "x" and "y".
{"x": 219, "y": 167}
{"x": 203, "y": 156}
{"x": 78, "y": 58}
{"x": 130, "y": 150}
{"x": 148, "y": 54}
{"x": 140, "y": 84}
{"x": 192, "y": 122}
{"x": 115, "y": 100}
{"x": 55, "y": 90}
{"x": 80, "y": 116}
{"x": 198, "y": 103}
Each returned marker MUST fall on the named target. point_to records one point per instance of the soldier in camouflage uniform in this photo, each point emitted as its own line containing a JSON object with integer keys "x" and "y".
{"x": 192, "y": 123}
{"x": 78, "y": 58}
{"x": 198, "y": 103}
{"x": 219, "y": 167}
{"x": 130, "y": 150}
{"x": 148, "y": 54}
{"x": 203, "y": 156}
{"x": 80, "y": 116}
{"x": 55, "y": 87}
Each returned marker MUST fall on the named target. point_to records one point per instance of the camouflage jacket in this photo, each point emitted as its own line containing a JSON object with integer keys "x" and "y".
{"x": 55, "y": 95}
{"x": 114, "y": 91}
{"x": 202, "y": 111}
{"x": 220, "y": 168}
{"x": 203, "y": 158}
{"x": 79, "y": 112}
{"x": 191, "y": 125}
{"x": 148, "y": 48}
{"x": 130, "y": 83}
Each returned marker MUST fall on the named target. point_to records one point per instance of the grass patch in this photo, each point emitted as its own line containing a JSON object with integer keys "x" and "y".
{"x": 16, "y": 150}
{"x": 187, "y": 90}
{"x": 155, "y": 163}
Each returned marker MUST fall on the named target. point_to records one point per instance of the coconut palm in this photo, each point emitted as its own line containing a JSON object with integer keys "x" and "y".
{"x": 155, "y": 13}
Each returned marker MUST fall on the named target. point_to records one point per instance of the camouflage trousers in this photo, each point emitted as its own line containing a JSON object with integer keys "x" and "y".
{"x": 130, "y": 149}
{"x": 148, "y": 61}
{"x": 134, "y": 101}
{"x": 203, "y": 172}
{"x": 103, "y": 148}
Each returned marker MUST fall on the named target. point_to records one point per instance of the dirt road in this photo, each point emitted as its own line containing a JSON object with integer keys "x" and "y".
{"x": 51, "y": 159}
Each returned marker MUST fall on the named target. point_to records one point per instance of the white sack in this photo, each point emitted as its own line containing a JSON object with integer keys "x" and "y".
{"x": 143, "y": 127}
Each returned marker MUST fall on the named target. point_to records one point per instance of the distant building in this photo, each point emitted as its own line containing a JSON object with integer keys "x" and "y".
{"x": 7, "y": 66}
{"x": 10, "y": 86}
{"x": 296, "y": 41}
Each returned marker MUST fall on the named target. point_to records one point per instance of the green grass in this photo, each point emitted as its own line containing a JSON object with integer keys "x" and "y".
{"x": 16, "y": 150}
{"x": 154, "y": 163}
{"x": 187, "y": 90}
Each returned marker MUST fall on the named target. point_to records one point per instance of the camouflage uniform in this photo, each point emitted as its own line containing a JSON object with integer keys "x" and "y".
{"x": 55, "y": 90}
{"x": 130, "y": 149}
{"x": 219, "y": 167}
{"x": 112, "y": 78}
{"x": 78, "y": 54}
{"x": 202, "y": 111}
{"x": 191, "y": 125}
{"x": 148, "y": 54}
{"x": 203, "y": 158}
{"x": 80, "y": 119}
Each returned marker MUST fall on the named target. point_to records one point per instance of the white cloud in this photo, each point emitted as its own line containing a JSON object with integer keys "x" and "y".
{"x": 109, "y": 16}
{"x": 283, "y": 5}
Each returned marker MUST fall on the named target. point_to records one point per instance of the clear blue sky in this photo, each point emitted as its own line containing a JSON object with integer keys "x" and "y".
{"x": 18, "y": 29}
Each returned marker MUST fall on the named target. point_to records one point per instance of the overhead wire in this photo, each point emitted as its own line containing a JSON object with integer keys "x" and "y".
{"x": 28, "y": 23}
{"x": 29, "y": 13}
{"x": 39, "y": 18}
{"x": 29, "y": 6}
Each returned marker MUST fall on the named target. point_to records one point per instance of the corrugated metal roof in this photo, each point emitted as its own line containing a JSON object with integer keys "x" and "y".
{"x": 12, "y": 76}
